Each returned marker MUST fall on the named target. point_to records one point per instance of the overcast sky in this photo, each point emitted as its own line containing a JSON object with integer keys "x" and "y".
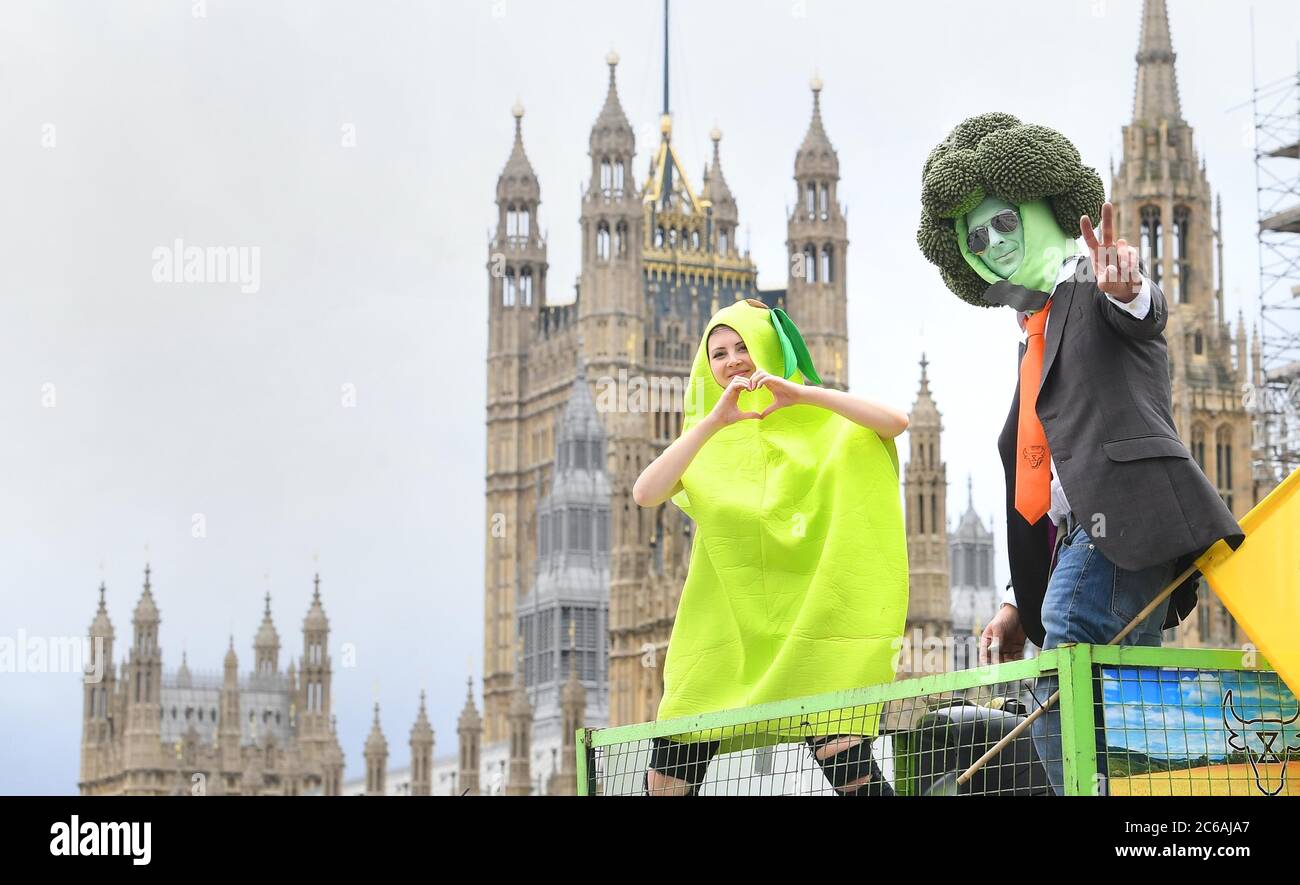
{"x": 333, "y": 417}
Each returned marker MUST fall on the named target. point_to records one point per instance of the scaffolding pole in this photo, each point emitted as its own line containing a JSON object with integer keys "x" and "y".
{"x": 1273, "y": 394}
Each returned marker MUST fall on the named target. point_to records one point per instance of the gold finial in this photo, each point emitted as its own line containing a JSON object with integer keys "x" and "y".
{"x": 666, "y": 124}
{"x": 518, "y": 109}
{"x": 816, "y": 83}
{"x": 611, "y": 58}
{"x": 715, "y": 133}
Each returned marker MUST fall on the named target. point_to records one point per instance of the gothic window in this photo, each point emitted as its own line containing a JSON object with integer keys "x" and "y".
{"x": 672, "y": 238}
{"x": 810, "y": 263}
{"x": 1199, "y": 340}
{"x": 1223, "y": 458}
{"x": 602, "y": 531}
{"x": 934, "y": 513}
{"x": 606, "y": 176}
{"x": 620, "y": 237}
{"x": 1151, "y": 248}
{"x": 524, "y": 218}
{"x": 810, "y": 202}
{"x": 1198, "y": 445}
{"x": 508, "y": 288}
{"x": 825, "y": 202}
{"x": 920, "y": 512}
{"x": 695, "y": 239}
{"x": 512, "y": 222}
{"x": 602, "y": 241}
{"x": 544, "y": 536}
{"x": 659, "y": 237}
{"x": 723, "y": 245}
{"x": 1181, "y": 230}
{"x": 526, "y": 287}
{"x": 828, "y": 253}
{"x": 618, "y": 177}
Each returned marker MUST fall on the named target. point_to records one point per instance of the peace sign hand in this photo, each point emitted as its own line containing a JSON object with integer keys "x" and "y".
{"x": 1115, "y": 262}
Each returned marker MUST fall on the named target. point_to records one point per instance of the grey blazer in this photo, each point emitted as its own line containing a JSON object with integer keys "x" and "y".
{"x": 1104, "y": 400}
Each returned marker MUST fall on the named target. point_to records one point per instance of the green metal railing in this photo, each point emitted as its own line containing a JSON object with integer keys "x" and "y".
{"x": 1130, "y": 720}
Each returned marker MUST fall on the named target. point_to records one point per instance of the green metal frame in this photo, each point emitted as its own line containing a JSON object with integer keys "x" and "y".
{"x": 1072, "y": 663}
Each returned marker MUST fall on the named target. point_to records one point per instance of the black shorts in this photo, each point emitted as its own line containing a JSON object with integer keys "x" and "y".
{"x": 685, "y": 761}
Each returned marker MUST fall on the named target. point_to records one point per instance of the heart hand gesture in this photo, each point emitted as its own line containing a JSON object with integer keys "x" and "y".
{"x": 784, "y": 391}
{"x": 725, "y": 411}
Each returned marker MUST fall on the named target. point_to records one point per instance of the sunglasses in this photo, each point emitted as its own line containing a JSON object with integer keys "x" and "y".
{"x": 1004, "y": 222}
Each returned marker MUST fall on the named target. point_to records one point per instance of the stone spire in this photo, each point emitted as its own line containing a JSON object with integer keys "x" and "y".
{"x": 146, "y": 610}
{"x": 315, "y": 620}
{"x": 924, "y": 414}
{"x": 611, "y": 121}
{"x": 518, "y": 181}
{"x": 266, "y": 645}
{"x": 102, "y": 626}
{"x": 521, "y": 726}
{"x": 1156, "y": 96}
{"x": 376, "y": 755}
{"x": 421, "y": 753}
{"x": 816, "y": 155}
{"x": 1243, "y": 362}
{"x": 469, "y": 729}
{"x": 716, "y": 190}
{"x": 183, "y": 677}
{"x": 925, "y": 493}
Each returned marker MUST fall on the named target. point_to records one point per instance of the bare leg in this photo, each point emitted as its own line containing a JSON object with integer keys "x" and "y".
{"x": 839, "y": 745}
{"x": 660, "y": 784}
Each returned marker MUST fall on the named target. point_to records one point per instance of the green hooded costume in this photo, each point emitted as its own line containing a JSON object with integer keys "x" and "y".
{"x": 798, "y": 574}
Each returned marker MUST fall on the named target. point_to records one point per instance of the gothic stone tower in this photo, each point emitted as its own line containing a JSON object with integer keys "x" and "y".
{"x": 925, "y": 493}
{"x": 1162, "y": 200}
{"x": 817, "y": 240}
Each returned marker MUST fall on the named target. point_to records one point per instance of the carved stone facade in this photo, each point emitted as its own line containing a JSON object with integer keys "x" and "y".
{"x": 147, "y": 732}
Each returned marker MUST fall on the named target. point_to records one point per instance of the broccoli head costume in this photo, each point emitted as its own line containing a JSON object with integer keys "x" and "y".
{"x": 995, "y": 160}
{"x": 798, "y": 571}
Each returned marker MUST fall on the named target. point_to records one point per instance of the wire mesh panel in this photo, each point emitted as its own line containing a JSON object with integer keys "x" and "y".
{"x": 1173, "y": 731}
{"x": 1126, "y": 721}
{"x": 881, "y": 741}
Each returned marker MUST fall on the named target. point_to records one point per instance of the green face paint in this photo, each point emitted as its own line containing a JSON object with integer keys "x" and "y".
{"x": 1043, "y": 245}
{"x": 1006, "y": 249}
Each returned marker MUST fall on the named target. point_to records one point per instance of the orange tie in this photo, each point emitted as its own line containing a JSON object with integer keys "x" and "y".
{"x": 1033, "y": 471}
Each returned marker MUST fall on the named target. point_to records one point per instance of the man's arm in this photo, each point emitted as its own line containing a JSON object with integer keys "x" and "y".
{"x": 1142, "y": 317}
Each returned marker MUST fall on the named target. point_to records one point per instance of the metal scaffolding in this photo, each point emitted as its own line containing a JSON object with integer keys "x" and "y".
{"x": 1274, "y": 393}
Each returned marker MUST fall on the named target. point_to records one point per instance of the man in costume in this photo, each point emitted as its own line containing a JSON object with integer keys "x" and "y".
{"x": 1105, "y": 505}
{"x": 797, "y": 583}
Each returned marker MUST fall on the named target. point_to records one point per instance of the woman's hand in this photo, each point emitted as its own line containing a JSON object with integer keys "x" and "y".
{"x": 784, "y": 391}
{"x": 725, "y": 411}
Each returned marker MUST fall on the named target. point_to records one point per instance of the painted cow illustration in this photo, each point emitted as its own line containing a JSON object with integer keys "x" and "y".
{"x": 1268, "y": 731}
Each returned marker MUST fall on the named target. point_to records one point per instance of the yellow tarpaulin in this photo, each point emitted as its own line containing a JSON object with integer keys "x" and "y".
{"x": 1259, "y": 582}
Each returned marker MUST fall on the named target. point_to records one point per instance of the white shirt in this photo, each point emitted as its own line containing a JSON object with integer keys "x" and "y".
{"x": 1139, "y": 307}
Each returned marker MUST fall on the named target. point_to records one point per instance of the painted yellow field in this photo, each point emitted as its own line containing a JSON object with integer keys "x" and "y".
{"x": 1209, "y": 780}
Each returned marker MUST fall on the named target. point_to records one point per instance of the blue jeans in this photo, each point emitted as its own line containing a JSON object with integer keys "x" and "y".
{"x": 1090, "y": 599}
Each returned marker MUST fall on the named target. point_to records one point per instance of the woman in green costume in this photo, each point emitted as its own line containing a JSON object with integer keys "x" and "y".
{"x": 798, "y": 574}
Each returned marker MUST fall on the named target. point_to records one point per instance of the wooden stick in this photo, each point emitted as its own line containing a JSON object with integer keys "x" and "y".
{"x": 1119, "y": 637}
